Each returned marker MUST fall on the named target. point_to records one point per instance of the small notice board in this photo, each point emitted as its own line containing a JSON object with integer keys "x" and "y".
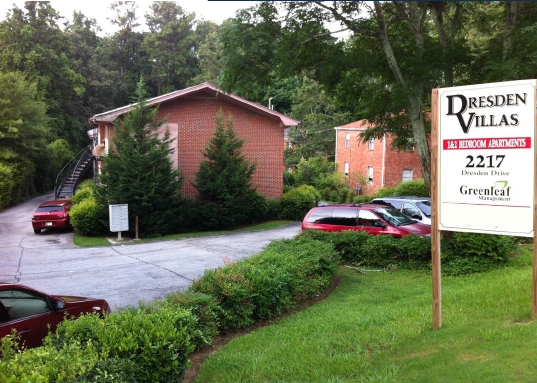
{"x": 119, "y": 217}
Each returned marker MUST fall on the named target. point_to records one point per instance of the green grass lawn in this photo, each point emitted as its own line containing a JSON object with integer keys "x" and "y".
{"x": 83, "y": 241}
{"x": 377, "y": 327}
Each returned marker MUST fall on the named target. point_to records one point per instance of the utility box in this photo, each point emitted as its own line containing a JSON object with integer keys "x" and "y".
{"x": 119, "y": 217}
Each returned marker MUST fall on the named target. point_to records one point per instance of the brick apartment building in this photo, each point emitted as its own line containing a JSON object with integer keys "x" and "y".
{"x": 374, "y": 162}
{"x": 191, "y": 114}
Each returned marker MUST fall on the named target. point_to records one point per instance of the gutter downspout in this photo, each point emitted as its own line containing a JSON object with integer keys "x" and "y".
{"x": 383, "y": 160}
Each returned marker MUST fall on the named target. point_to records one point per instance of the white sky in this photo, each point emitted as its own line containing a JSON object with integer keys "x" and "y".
{"x": 216, "y": 11}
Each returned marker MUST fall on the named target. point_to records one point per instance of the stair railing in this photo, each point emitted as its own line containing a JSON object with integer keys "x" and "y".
{"x": 70, "y": 168}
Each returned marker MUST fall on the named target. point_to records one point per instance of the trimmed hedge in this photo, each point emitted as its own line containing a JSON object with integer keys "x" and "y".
{"x": 462, "y": 253}
{"x": 271, "y": 282}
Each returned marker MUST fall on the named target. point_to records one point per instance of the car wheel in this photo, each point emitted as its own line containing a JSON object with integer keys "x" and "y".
{"x": 37, "y": 231}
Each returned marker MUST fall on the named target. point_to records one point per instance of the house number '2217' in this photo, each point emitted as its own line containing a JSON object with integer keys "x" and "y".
{"x": 485, "y": 162}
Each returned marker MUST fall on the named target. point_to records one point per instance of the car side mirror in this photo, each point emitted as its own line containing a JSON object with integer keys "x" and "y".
{"x": 58, "y": 305}
{"x": 416, "y": 216}
{"x": 380, "y": 224}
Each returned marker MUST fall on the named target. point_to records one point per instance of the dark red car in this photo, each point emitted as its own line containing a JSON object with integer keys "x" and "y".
{"x": 372, "y": 218}
{"x": 31, "y": 312}
{"x": 52, "y": 215}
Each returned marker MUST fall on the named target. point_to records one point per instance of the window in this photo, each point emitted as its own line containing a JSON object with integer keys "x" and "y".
{"x": 344, "y": 216}
{"x": 407, "y": 174}
{"x": 347, "y": 140}
{"x": 370, "y": 174}
{"x": 321, "y": 216}
{"x": 372, "y": 143}
{"x": 21, "y": 304}
{"x": 411, "y": 210}
{"x": 368, "y": 218}
{"x": 346, "y": 169}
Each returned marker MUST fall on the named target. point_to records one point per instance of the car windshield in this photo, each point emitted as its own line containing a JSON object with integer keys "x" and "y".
{"x": 394, "y": 217}
{"x": 425, "y": 207}
{"x": 49, "y": 209}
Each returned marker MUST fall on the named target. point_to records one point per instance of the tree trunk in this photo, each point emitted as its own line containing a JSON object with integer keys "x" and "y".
{"x": 415, "y": 93}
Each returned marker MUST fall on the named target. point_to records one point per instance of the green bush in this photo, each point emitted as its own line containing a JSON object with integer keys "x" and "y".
{"x": 269, "y": 283}
{"x": 233, "y": 292}
{"x": 89, "y": 217}
{"x": 297, "y": 202}
{"x": 82, "y": 194}
{"x": 273, "y": 209}
{"x": 6, "y": 186}
{"x": 384, "y": 192}
{"x": 360, "y": 248}
{"x": 204, "y": 308}
{"x": 466, "y": 253}
{"x": 154, "y": 345}
{"x": 412, "y": 188}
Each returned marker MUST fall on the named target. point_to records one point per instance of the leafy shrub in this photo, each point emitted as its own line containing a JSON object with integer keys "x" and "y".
{"x": 297, "y": 202}
{"x": 6, "y": 186}
{"x": 233, "y": 292}
{"x": 154, "y": 345}
{"x": 82, "y": 194}
{"x": 273, "y": 209}
{"x": 363, "y": 249}
{"x": 269, "y": 283}
{"x": 465, "y": 253}
{"x": 204, "y": 308}
{"x": 348, "y": 244}
{"x": 412, "y": 188}
{"x": 89, "y": 217}
{"x": 385, "y": 192}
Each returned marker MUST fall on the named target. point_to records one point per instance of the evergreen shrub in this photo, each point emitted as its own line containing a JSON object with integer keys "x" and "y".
{"x": 298, "y": 201}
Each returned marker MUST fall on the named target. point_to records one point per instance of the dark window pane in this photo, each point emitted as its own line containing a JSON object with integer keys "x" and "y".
{"x": 344, "y": 216}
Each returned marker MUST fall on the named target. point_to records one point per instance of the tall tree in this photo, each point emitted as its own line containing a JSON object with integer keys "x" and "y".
{"x": 24, "y": 135}
{"x": 318, "y": 113}
{"x": 138, "y": 171}
{"x": 33, "y": 44}
{"x": 224, "y": 179}
{"x": 122, "y": 54}
{"x": 170, "y": 46}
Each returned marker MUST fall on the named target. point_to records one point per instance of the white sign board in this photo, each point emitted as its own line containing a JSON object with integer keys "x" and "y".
{"x": 486, "y": 158}
{"x": 119, "y": 217}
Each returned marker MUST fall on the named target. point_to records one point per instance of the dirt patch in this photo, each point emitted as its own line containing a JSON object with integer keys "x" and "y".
{"x": 198, "y": 357}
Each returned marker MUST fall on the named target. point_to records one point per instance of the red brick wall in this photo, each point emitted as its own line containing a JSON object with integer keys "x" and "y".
{"x": 397, "y": 161}
{"x": 263, "y": 137}
{"x": 360, "y": 157}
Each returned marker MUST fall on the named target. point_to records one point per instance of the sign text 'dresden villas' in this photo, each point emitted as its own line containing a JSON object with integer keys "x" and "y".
{"x": 486, "y": 158}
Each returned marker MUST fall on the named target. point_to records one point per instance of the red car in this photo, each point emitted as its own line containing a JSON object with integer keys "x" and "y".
{"x": 52, "y": 215}
{"x": 31, "y": 312}
{"x": 372, "y": 218}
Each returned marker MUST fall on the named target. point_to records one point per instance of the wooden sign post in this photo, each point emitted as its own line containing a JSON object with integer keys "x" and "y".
{"x": 483, "y": 167}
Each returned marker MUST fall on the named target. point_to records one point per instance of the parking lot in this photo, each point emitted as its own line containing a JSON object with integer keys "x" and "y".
{"x": 122, "y": 274}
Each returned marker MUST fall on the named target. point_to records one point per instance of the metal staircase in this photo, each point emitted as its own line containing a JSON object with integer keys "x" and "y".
{"x": 73, "y": 173}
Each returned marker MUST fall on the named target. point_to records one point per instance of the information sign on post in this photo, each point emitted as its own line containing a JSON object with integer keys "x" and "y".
{"x": 119, "y": 218}
{"x": 486, "y": 158}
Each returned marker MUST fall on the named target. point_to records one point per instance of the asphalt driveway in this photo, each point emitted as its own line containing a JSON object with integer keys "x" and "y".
{"x": 122, "y": 274}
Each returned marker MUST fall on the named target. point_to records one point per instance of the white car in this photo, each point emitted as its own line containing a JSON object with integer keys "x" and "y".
{"x": 418, "y": 208}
